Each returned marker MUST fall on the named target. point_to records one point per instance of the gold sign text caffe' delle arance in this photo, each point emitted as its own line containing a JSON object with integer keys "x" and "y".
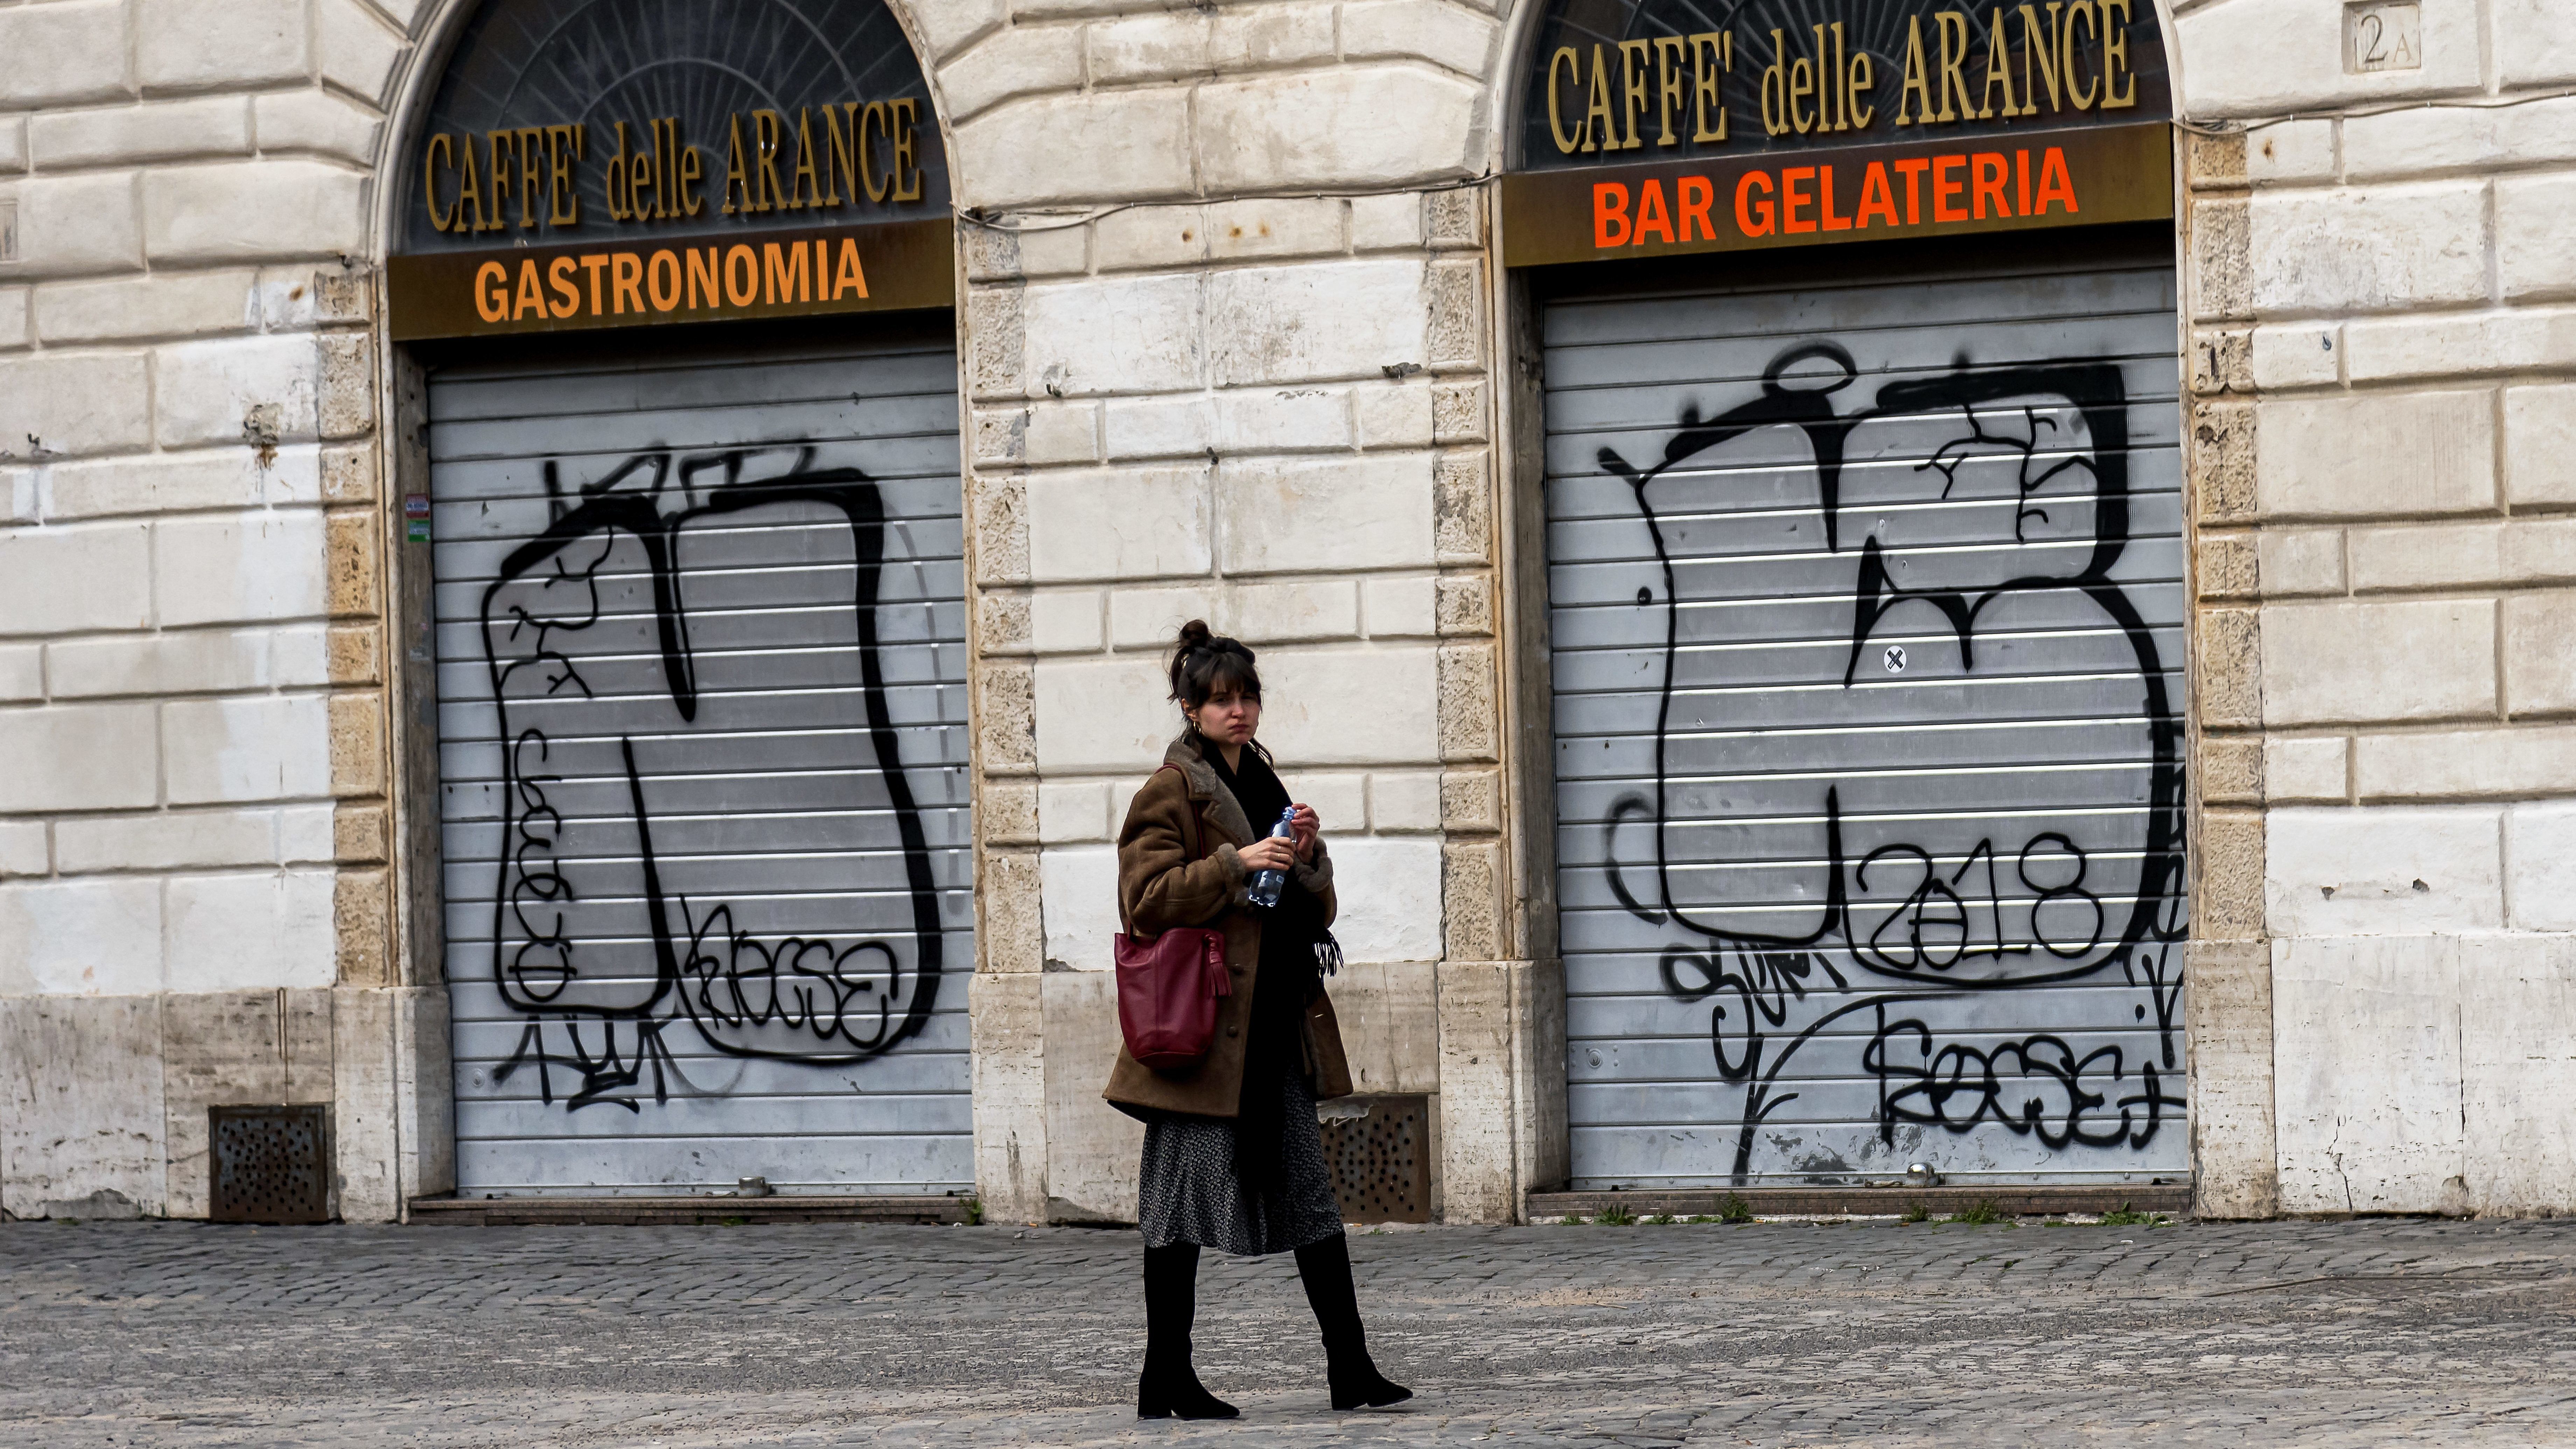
{"x": 831, "y": 157}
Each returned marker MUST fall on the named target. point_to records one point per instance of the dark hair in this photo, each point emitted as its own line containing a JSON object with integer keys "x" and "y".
{"x": 1206, "y": 662}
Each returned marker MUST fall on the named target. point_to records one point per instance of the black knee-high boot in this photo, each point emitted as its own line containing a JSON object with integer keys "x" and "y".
{"x": 1169, "y": 1388}
{"x": 1326, "y": 1269}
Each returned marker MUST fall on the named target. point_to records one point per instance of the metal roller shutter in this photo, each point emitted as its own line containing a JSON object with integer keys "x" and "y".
{"x": 1868, "y": 623}
{"x": 702, "y": 740}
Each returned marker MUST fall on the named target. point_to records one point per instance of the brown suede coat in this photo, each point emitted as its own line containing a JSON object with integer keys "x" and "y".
{"x": 1163, "y": 883}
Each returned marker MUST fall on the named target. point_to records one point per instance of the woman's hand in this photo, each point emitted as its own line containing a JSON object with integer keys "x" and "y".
{"x": 1305, "y": 828}
{"x": 1269, "y": 853}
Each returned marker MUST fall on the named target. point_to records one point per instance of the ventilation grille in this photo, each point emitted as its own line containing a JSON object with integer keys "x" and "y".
{"x": 270, "y": 1164}
{"x": 1381, "y": 1159}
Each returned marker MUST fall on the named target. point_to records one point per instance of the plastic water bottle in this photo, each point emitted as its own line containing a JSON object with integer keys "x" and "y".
{"x": 1266, "y": 884}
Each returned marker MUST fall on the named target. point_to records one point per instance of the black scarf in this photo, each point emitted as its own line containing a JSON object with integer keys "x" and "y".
{"x": 1286, "y": 981}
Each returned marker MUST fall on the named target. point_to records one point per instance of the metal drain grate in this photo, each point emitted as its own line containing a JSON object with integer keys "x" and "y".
{"x": 271, "y": 1164}
{"x": 1381, "y": 1159}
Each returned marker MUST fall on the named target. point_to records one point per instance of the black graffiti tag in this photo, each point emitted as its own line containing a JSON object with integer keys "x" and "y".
{"x": 1899, "y": 919}
{"x": 597, "y": 608}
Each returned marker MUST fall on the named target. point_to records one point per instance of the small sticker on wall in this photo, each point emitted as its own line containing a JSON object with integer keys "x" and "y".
{"x": 416, "y": 510}
{"x": 1895, "y": 658}
{"x": 417, "y": 530}
{"x": 2383, "y": 35}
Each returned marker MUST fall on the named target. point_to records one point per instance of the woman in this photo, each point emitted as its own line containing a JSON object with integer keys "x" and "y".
{"x": 1233, "y": 1159}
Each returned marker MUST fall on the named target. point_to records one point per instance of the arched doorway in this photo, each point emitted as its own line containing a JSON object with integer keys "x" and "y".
{"x": 677, "y": 281}
{"x": 1865, "y": 538}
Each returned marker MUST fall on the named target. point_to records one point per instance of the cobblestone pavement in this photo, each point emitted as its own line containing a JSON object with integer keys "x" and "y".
{"x": 2381, "y": 1332}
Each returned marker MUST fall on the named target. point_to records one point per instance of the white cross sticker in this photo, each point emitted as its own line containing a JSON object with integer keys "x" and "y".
{"x": 1895, "y": 659}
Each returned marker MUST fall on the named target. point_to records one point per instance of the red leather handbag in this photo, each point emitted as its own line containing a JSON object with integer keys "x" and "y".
{"x": 1168, "y": 988}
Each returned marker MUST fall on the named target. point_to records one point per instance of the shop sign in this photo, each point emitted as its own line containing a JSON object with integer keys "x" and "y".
{"x": 1646, "y": 128}
{"x": 585, "y": 165}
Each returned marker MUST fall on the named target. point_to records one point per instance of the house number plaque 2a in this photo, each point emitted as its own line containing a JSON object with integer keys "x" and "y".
{"x": 2383, "y": 35}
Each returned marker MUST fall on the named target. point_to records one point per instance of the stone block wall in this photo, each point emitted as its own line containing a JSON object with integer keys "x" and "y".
{"x": 2380, "y": 362}
{"x": 193, "y": 821}
{"x": 1186, "y": 394}
{"x": 1227, "y": 324}
{"x": 1192, "y": 396}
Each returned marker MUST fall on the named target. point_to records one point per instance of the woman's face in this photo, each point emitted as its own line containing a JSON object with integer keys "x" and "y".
{"x": 1230, "y": 716}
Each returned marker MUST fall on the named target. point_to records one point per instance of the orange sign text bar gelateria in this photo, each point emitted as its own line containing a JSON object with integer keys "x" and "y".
{"x": 2042, "y": 179}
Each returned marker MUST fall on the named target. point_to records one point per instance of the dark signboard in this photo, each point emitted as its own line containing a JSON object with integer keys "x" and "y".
{"x": 602, "y": 163}
{"x": 1655, "y": 126}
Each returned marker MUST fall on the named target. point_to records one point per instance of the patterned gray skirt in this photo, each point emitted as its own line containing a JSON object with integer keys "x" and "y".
{"x": 1187, "y": 1190}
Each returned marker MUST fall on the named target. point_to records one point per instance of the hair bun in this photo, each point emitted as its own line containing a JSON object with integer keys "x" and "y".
{"x": 1205, "y": 659}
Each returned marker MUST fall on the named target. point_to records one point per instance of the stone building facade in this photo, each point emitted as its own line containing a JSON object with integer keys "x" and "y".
{"x": 1238, "y": 334}
{"x": 2379, "y": 966}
